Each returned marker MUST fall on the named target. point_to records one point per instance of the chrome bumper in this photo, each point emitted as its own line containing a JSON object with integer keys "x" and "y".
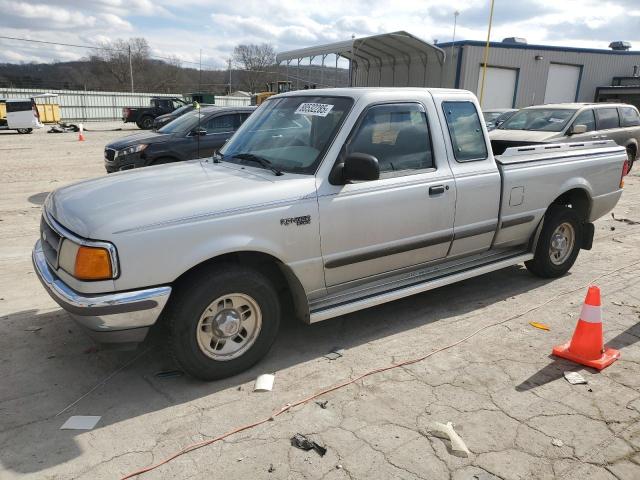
{"x": 104, "y": 314}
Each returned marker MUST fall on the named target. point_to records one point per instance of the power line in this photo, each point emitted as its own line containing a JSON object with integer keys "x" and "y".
{"x": 123, "y": 50}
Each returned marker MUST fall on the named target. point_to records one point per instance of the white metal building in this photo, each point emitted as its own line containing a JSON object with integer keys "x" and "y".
{"x": 519, "y": 75}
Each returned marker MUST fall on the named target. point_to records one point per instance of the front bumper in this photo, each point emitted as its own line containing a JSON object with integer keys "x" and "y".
{"x": 121, "y": 317}
{"x": 124, "y": 162}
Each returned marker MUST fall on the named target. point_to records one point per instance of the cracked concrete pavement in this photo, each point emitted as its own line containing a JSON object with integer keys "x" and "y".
{"x": 501, "y": 389}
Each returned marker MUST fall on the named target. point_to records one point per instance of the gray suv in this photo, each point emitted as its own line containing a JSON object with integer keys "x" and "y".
{"x": 571, "y": 122}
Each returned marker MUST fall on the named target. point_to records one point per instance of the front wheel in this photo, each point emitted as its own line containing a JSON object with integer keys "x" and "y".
{"x": 222, "y": 321}
{"x": 559, "y": 243}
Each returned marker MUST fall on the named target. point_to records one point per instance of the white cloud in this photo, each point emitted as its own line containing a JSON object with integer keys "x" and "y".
{"x": 182, "y": 27}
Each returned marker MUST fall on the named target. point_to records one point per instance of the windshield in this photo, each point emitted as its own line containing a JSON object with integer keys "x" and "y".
{"x": 181, "y": 110}
{"x": 539, "y": 119}
{"x": 291, "y": 132}
{"x": 184, "y": 123}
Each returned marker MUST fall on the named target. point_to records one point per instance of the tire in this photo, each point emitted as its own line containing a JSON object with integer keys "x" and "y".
{"x": 24, "y": 131}
{"x": 145, "y": 123}
{"x": 211, "y": 306}
{"x": 631, "y": 158}
{"x": 551, "y": 260}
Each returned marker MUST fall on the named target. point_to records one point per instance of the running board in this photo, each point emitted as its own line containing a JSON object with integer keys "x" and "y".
{"x": 396, "y": 294}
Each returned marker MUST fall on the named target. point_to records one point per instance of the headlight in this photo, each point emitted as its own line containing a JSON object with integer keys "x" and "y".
{"x": 130, "y": 150}
{"x": 85, "y": 262}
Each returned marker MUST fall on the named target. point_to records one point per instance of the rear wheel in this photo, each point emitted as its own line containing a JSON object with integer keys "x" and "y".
{"x": 559, "y": 243}
{"x": 222, "y": 321}
{"x": 25, "y": 130}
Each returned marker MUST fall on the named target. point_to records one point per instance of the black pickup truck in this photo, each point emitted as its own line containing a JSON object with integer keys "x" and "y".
{"x": 144, "y": 116}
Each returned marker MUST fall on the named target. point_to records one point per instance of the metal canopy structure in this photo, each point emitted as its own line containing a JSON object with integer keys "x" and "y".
{"x": 396, "y": 59}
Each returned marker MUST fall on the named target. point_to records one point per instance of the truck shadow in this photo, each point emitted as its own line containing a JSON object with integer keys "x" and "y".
{"x": 49, "y": 369}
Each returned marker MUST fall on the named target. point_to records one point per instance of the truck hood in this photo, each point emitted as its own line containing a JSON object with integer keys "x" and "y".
{"x": 524, "y": 135}
{"x": 120, "y": 203}
{"x": 138, "y": 138}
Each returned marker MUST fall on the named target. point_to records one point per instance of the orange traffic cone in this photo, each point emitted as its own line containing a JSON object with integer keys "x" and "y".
{"x": 81, "y": 134}
{"x": 586, "y": 346}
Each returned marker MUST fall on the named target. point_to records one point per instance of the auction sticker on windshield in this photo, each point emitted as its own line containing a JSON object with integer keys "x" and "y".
{"x": 315, "y": 109}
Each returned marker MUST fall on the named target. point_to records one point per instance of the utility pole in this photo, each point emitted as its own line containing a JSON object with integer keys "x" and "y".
{"x": 130, "y": 67}
{"x": 486, "y": 55}
{"x": 229, "y": 62}
{"x": 455, "y": 23}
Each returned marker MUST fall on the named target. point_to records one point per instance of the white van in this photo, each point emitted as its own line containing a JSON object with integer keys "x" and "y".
{"x": 22, "y": 115}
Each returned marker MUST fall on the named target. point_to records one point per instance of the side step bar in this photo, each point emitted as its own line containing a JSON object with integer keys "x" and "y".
{"x": 396, "y": 294}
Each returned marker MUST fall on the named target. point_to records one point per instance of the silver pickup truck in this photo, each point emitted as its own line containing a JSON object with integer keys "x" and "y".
{"x": 324, "y": 202}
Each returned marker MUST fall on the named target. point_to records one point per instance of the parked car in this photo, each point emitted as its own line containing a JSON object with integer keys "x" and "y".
{"x": 19, "y": 114}
{"x": 323, "y": 203}
{"x": 162, "y": 120}
{"x": 575, "y": 122}
{"x": 497, "y": 116}
{"x": 144, "y": 116}
{"x": 193, "y": 135}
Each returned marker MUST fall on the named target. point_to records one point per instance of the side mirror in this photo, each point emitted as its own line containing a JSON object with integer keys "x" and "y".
{"x": 578, "y": 129}
{"x": 198, "y": 132}
{"x": 360, "y": 166}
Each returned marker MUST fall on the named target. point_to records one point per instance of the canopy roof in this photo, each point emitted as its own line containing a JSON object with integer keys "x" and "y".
{"x": 376, "y": 49}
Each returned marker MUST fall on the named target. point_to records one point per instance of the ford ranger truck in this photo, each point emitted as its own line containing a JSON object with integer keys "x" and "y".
{"x": 323, "y": 203}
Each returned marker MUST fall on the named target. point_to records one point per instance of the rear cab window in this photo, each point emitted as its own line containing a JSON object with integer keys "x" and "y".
{"x": 629, "y": 117}
{"x": 607, "y": 118}
{"x": 465, "y": 129}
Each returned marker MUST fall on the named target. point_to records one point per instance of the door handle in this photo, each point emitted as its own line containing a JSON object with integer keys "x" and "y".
{"x": 436, "y": 190}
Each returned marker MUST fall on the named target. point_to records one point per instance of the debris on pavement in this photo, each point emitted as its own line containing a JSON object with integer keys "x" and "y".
{"x": 303, "y": 443}
{"x": 264, "y": 383}
{"x": 574, "y": 378}
{"x": 625, "y": 220}
{"x": 32, "y": 328}
{"x": 322, "y": 405}
{"x": 541, "y": 326}
{"x": 271, "y": 468}
{"x": 556, "y": 442}
{"x": 81, "y": 422}
{"x": 446, "y": 431}
{"x": 334, "y": 354}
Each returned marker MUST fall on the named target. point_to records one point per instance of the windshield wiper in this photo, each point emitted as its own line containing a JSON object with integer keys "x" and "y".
{"x": 259, "y": 160}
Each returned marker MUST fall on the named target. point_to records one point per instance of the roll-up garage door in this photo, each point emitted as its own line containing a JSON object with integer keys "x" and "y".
{"x": 562, "y": 83}
{"x": 499, "y": 87}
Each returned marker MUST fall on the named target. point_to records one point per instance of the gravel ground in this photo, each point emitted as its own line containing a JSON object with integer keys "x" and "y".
{"x": 501, "y": 389}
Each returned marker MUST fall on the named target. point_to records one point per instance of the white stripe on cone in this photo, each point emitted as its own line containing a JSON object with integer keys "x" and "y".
{"x": 591, "y": 314}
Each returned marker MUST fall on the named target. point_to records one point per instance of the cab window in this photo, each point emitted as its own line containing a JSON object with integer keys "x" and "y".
{"x": 465, "y": 129}
{"x": 586, "y": 118}
{"x": 221, "y": 124}
{"x": 629, "y": 117}
{"x": 607, "y": 118}
{"x": 397, "y": 135}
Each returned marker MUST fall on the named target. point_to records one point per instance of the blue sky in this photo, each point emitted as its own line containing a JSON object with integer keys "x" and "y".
{"x": 183, "y": 27}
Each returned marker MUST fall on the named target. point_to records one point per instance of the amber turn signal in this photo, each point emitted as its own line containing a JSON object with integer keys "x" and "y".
{"x": 93, "y": 263}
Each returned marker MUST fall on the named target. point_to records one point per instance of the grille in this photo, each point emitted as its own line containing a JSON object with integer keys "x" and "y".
{"x": 109, "y": 154}
{"x": 50, "y": 243}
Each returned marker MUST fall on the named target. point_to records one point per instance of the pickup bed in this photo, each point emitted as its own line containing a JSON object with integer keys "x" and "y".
{"x": 324, "y": 202}
{"x": 145, "y": 116}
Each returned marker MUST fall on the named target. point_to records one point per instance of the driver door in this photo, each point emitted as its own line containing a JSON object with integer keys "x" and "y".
{"x": 403, "y": 219}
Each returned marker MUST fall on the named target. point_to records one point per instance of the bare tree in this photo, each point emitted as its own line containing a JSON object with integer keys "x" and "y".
{"x": 114, "y": 57}
{"x": 255, "y": 61}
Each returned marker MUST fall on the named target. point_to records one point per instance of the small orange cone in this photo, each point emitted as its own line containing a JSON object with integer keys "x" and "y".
{"x": 81, "y": 134}
{"x": 586, "y": 346}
